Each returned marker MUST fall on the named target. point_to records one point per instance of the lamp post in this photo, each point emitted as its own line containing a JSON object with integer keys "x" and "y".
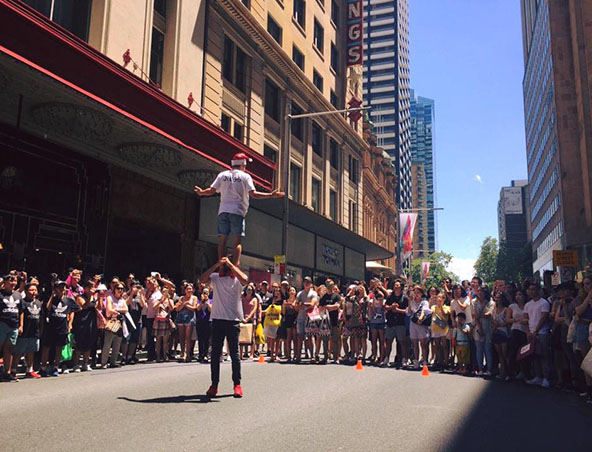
{"x": 286, "y": 160}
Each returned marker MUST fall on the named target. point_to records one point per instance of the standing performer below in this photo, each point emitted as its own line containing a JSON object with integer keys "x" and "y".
{"x": 227, "y": 313}
{"x": 235, "y": 186}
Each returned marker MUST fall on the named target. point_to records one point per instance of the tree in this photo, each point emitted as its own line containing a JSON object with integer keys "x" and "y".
{"x": 439, "y": 261}
{"x": 514, "y": 264}
{"x": 486, "y": 264}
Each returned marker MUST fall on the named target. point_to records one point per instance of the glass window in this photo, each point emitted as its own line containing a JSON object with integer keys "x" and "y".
{"x": 73, "y": 15}
{"x": 228, "y": 59}
{"x": 297, "y": 124}
{"x": 334, "y": 153}
{"x": 238, "y": 131}
{"x": 272, "y": 100}
{"x": 225, "y": 123}
{"x": 300, "y": 12}
{"x": 316, "y": 195}
{"x": 317, "y": 139}
{"x": 274, "y": 29}
{"x": 353, "y": 216}
{"x": 295, "y": 183}
{"x": 160, "y": 7}
{"x": 156, "y": 56}
{"x": 319, "y": 36}
{"x": 353, "y": 169}
{"x": 247, "y": 3}
{"x": 234, "y": 64}
{"x": 335, "y": 12}
{"x": 333, "y": 205}
{"x": 298, "y": 57}
{"x": 270, "y": 153}
{"x": 334, "y": 58}
{"x": 317, "y": 80}
{"x": 333, "y": 99}
{"x": 241, "y": 69}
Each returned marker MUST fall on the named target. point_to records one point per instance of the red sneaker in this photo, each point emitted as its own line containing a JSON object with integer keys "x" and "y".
{"x": 34, "y": 374}
{"x": 238, "y": 391}
{"x": 213, "y": 391}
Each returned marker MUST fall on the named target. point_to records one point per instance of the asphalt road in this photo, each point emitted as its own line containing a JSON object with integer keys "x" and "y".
{"x": 160, "y": 407}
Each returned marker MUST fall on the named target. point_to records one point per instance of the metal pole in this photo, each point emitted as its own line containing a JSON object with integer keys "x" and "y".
{"x": 329, "y": 112}
{"x": 286, "y": 181}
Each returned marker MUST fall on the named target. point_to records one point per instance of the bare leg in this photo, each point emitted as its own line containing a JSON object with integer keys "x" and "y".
{"x": 222, "y": 247}
{"x": 237, "y": 250}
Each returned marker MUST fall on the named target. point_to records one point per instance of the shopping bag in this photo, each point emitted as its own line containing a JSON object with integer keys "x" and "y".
{"x": 587, "y": 364}
{"x": 67, "y": 349}
{"x": 259, "y": 336}
{"x": 245, "y": 336}
{"x": 525, "y": 351}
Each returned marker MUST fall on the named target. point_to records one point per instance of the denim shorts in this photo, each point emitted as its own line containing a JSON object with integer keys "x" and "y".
{"x": 377, "y": 326}
{"x": 26, "y": 345}
{"x": 231, "y": 224}
{"x": 8, "y": 334}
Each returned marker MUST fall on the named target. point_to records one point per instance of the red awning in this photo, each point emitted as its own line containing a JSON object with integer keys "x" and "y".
{"x": 40, "y": 43}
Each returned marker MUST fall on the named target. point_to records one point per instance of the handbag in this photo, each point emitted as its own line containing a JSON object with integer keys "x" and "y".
{"x": 113, "y": 325}
{"x": 442, "y": 324}
{"x": 324, "y": 329}
{"x": 525, "y": 351}
{"x": 101, "y": 320}
{"x": 245, "y": 336}
{"x": 313, "y": 314}
{"x": 427, "y": 319}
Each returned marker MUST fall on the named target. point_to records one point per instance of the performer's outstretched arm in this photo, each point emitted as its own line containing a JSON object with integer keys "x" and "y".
{"x": 243, "y": 279}
{"x": 211, "y": 191}
{"x": 263, "y": 195}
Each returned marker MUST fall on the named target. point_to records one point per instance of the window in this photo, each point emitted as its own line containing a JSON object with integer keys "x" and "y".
{"x": 334, "y": 58}
{"x": 333, "y": 99}
{"x": 333, "y": 153}
{"x": 317, "y": 139}
{"x": 238, "y": 131}
{"x": 295, "y": 182}
{"x": 270, "y": 153}
{"x": 160, "y": 7}
{"x": 333, "y": 205}
{"x": 297, "y": 124}
{"x": 298, "y": 57}
{"x": 319, "y": 36}
{"x": 156, "y": 56}
{"x": 300, "y": 12}
{"x": 247, "y": 3}
{"x": 234, "y": 64}
{"x": 353, "y": 216}
{"x": 317, "y": 80}
{"x": 225, "y": 122}
{"x": 274, "y": 29}
{"x": 335, "y": 12}
{"x": 316, "y": 195}
{"x": 272, "y": 100}
{"x": 74, "y": 16}
{"x": 353, "y": 169}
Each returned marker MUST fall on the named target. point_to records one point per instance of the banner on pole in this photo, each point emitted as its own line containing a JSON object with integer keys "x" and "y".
{"x": 279, "y": 264}
{"x": 406, "y": 227}
{"x": 355, "y": 33}
{"x": 425, "y": 270}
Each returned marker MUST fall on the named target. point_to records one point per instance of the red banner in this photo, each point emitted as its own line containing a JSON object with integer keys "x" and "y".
{"x": 355, "y": 33}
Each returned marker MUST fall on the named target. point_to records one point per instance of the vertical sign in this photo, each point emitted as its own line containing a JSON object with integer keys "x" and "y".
{"x": 355, "y": 32}
{"x": 425, "y": 270}
{"x": 279, "y": 264}
{"x": 406, "y": 226}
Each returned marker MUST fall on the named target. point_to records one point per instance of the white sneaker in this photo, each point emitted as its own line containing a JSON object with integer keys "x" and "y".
{"x": 520, "y": 376}
{"x": 77, "y": 370}
{"x": 87, "y": 368}
{"x": 535, "y": 381}
{"x": 545, "y": 383}
{"x": 66, "y": 371}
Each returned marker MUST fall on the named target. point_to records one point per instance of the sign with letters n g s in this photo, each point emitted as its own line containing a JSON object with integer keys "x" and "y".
{"x": 355, "y": 33}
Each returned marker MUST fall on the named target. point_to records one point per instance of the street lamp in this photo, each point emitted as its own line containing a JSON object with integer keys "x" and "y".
{"x": 286, "y": 160}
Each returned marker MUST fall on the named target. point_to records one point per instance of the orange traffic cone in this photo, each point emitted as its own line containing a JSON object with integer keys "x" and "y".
{"x": 425, "y": 372}
{"x": 359, "y": 365}
{"x": 261, "y": 359}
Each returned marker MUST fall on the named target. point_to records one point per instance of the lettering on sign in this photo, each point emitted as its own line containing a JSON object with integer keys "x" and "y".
{"x": 355, "y": 32}
{"x": 565, "y": 258}
{"x": 331, "y": 256}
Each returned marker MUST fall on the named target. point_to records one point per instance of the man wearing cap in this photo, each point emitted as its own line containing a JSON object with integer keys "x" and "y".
{"x": 10, "y": 312}
{"x": 307, "y": 298}
{"x": 235, "y": 186}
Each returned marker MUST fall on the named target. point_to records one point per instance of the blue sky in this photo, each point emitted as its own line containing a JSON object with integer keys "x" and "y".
{"x": 467, "y": 56}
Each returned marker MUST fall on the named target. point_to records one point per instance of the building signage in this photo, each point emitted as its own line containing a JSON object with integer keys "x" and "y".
{"x": 512, "y": 200}
{"x": 329, "y": 256}
{"x": 565, "y": 258}
{"x": 355, "y": 32}
{"x": 279, "y": 264}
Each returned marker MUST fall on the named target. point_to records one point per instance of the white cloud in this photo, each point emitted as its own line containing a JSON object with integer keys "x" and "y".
{"x": 463, "y": 268}
{"x": 478, "y": 178}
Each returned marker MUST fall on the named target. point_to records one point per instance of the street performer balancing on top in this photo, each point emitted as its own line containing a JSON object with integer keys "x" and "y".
{"x": 235, "y": 186}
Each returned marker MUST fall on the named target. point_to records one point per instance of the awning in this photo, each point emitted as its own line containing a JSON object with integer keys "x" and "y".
{"x": 373, "y": 265}
{"x": 311, "y": 221}
{"x": 38, "y": 42}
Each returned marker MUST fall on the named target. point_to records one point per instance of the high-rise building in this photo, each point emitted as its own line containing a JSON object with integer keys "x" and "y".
{"x": 421, "y": 234}
{"x": 558, "y": 123}
{"x": 512, "y": 212}
{"x": 386, "y": 84}
{"x": 422, "y": 153}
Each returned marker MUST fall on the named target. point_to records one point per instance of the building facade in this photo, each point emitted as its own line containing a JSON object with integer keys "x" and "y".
{"x": 386, "y": 84}
{"x": 512, "y": 215}
{"x": 131, "y": 104}
{"x": 558, "y": 128}
{"x": 422, "y": 153}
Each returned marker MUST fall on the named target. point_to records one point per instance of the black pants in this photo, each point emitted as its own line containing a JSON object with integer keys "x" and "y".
{"x": 225, "y": 329}
{"x": 204, "y": 333}
{"x": 150, "y": 344}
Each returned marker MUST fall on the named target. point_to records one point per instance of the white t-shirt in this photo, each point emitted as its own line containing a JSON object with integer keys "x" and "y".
{"x": 156, "y": 296}
{"x": 305, "y": 297}
{"x": 455, "y": 305}
{"x": 517, "y": 314}
{"x": 234, "y": 187}
{"x": 227, "y": 303}
{"x": 535, "y": 310}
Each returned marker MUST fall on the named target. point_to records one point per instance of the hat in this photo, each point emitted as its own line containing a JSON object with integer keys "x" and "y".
{"x": 265, "y": 282}
{"x": 308, "y": 279}
{"x": 240, "y": 158}
{"x": 102, "y": 287}
{"x": 284, "y": 282}
{"x": 59, "y": 283}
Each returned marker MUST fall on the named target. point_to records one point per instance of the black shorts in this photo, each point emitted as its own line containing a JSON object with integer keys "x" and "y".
{"x": 54, "y": 339}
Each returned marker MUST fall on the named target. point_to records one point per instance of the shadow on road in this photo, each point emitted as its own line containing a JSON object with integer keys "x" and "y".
{"x": 515, "y": 417}
{"x": 200, "y": 398}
